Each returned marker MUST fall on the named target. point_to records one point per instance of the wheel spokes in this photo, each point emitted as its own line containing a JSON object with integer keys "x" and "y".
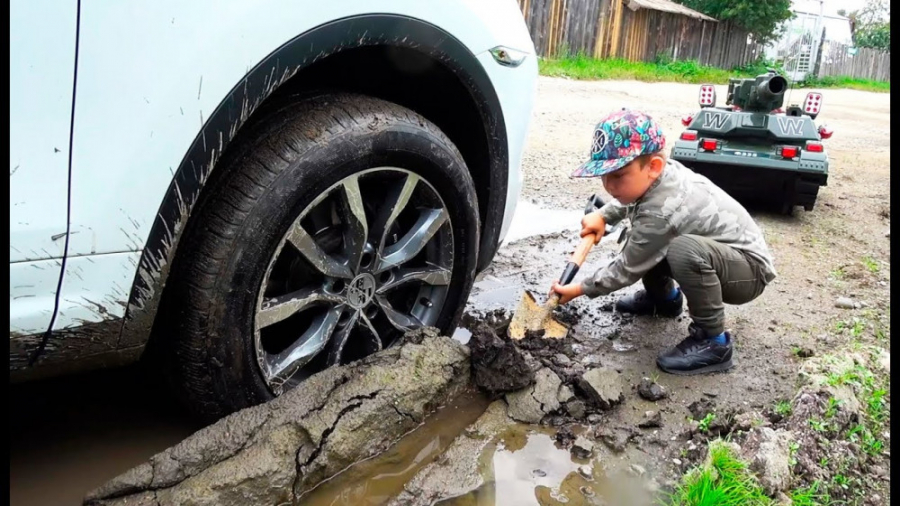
{"x": 283, "y": 365}
{"x": 399, "y": 320}
{"x": 356, "y": 226}
{"x": 340, "y": 338}
{"x": 429, "y": 222}
{"x": 395, "y": 200}
{"x": 323, "y": 262}
{"x": 280, "y": 308}
{"x": 432, "y": 275}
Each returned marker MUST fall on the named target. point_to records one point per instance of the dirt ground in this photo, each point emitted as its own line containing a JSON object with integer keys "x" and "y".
{"x": 840, "y": 249}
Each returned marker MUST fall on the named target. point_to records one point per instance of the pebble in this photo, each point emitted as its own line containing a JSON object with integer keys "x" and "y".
{"x": 845, "y": 303}
{"x": 582, "y": 448}
{"x": 677, "y": 462}
{"x": 638, "y": 469}
{"x": 585, "y": 471}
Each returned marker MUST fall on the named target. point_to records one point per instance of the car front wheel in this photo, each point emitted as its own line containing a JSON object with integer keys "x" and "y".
{"x": 334, "y": 226}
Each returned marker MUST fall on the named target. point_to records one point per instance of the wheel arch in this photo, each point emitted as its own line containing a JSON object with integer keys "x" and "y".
{"x": 331, "y": 56}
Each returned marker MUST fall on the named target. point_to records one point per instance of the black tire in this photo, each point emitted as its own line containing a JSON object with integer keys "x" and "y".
{"x": 265, "y": 182}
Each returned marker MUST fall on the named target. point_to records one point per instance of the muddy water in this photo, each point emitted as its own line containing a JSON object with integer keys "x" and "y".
{"x": 525, "y": 466}
{"x": 70, "y": 435}
{"x": 377, "y": 480}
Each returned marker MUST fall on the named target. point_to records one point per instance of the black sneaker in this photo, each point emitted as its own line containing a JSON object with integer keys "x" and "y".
{"x": 641, "y": 303}
{"x": 697, "y": 354}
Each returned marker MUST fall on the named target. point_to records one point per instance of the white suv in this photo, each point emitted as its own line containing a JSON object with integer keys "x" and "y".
{"x": 254, "y": 191}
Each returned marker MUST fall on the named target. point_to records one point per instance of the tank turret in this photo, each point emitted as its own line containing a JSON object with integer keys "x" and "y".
{"x": 764, "y": 93}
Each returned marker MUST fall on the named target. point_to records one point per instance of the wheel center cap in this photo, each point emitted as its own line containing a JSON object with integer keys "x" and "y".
{"x": 360, "y": 290}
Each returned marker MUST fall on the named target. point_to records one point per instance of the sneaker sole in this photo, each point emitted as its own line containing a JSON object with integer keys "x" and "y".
{"x": 724, "y": 366}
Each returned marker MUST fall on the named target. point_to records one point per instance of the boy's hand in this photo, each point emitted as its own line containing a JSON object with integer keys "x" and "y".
{"x": 593, "y": 223}
{"x": 566, "y": 292}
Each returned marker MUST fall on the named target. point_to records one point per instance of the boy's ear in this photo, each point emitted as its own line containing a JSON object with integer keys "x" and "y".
{"x": 657, "y": 164}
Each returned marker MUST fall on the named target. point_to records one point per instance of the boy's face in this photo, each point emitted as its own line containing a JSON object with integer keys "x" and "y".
{"x": 629, "y": 183}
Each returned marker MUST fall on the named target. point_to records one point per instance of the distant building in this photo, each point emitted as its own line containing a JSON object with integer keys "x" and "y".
{"x": 799, "y": 44}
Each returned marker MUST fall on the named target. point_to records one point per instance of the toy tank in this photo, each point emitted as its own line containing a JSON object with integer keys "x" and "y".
{"x": 754, "y": 150}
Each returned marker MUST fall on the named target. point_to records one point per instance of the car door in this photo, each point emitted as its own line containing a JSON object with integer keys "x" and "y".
{"x": 42, "y": 65}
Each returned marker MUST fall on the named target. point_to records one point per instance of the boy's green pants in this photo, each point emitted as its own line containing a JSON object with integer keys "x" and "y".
{"x": 709, "y": 274}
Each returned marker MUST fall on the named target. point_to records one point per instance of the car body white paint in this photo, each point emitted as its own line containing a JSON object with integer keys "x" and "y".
{"x": 41, "y": 65}
{"x": 149, "y": 74}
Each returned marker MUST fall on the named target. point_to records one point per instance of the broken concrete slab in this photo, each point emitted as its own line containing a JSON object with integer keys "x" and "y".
{"x": 275, "y": 452}
{"x": 456, "y": 472}
{"x": 530, "y": 404}
{"x": 601, "y": 387}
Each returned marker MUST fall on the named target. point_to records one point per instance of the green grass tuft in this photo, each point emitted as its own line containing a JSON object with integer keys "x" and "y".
{"x": 683, "y": 71}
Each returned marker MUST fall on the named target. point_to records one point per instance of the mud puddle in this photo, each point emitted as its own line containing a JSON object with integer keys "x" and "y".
{"x": 526, "y": 466}
{"x": 70, "y": 435}
{"x": 376, "y": 481}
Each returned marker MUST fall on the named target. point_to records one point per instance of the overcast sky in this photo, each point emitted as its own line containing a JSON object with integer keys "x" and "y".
{"x": 831, "y": 6}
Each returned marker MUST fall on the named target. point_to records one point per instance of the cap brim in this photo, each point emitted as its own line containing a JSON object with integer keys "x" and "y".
{"x": 596, "y": 168}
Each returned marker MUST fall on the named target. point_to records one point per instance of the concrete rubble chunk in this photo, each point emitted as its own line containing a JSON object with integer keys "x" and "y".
{"x": 275, "y": 452}
{"x": 530, "y": 404}
{"x": 601, "y": 387}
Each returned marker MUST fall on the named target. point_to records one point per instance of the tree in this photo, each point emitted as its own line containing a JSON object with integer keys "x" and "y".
{"x": 762, "y": 18}
{"x": 871, "y": 26}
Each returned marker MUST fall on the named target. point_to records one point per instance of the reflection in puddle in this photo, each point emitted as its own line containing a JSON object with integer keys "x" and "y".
{"x": 376, "y": 481}
{"x": 526, "y": 467}
{"x": 529, "y": 220}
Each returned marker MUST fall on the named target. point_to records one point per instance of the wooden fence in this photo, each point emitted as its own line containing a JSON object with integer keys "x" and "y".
{"x": 612, "y": 29}
{"x": 837, "y": 60}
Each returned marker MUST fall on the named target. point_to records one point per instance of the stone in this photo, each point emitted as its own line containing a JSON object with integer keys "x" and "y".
{"x": 845, "y": 303}
{"x": 564, "y": 436}
{"x": 576, "y": 408}
{"x": 565, "y": 393}
{"x": 651, "y": 391}
{"x": 651, "y": 419}
{"x": 601, "y": 387}
{"x": 562, "y": 360}
{"x": 614, "y": 439}
{"x": 582, "y": 448}
{"x": 748, "y": 420}
{"x": 530, "y": 404}
{"x": 768, "y": 453}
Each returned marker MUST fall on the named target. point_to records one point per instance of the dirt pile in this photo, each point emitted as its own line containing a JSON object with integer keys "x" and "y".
{"x": 542, "y": 379}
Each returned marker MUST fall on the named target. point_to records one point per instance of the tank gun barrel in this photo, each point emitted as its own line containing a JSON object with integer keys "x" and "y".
{"x": 763, "y": 93}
